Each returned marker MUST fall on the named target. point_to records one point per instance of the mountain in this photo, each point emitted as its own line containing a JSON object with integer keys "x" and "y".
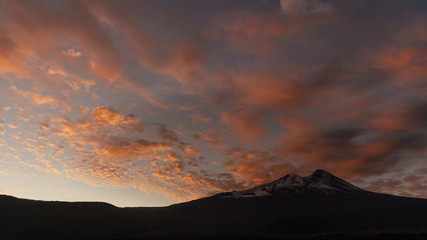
{"x": 320, "y": 181}
{"x": 318, "y": 206}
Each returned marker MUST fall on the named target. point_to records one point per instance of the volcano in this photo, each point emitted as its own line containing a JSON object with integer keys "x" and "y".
{"x": 318, "y": 206}
{"x": 320, "y": 181}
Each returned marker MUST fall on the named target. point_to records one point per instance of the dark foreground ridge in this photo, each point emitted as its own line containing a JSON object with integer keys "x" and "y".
{"x": 318, "y": 206}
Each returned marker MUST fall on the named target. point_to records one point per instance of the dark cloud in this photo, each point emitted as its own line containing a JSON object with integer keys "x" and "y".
{"x": 6, "y": 44}
{"x": 417, "y": 115}
{"x": 165, "y": 134}
{"x": 409, "y": 184}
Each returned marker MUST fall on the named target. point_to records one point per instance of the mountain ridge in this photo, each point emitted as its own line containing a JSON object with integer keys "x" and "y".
{"x": 320, "y": 180}
{"x": 296, "y": 208}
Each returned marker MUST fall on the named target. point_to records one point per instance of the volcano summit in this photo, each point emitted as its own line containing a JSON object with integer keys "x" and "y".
{"x": 320, "y": 181}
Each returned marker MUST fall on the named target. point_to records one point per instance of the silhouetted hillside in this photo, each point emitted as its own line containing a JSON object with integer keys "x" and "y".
{"x": 319, "y": 206}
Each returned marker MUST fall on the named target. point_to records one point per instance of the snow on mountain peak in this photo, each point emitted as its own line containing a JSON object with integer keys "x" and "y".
{"x": 319, "y": 180}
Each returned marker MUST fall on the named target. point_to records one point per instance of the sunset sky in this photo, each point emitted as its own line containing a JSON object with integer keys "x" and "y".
{"x": 150, "y": 103}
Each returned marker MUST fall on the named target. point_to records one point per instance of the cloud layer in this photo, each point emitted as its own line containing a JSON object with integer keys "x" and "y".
{"x": 190, "y": 98}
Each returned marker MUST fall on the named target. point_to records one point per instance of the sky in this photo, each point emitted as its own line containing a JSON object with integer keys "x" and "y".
{"x": 150, "y": 103}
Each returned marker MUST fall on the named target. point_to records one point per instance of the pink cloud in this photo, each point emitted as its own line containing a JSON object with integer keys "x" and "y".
{"x": 256, "y": 167}
{"x": 245, "y": 123}
{"x": 41, "y": 99}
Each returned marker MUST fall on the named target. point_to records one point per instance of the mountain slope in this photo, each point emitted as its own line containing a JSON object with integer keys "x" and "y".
{"x": 319, "y": 181}
{"x": 292, "y": 207}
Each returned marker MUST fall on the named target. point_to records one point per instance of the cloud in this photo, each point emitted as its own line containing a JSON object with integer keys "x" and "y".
{"x": 182, "y": 59}
{"x": 256, "y": 167}
{"x": 122, "y": 147}
{"x": 245, "y": 123}
{"x": 247, "y": 32}
{"x": 3, "y": 109}
{"x": 408, "y": 184}
{"x": 296, "y": 7}
{"x": 301, "y": 84}
{"x": 72, "y": 53}
{"x": 69, "y": 28}
{"x": 405, "y": 118}
{"x": 88, "y": 84}
{"x": 200, "y": 117}
{"x": 266, "y": 33}
{"x": 166, "y": 134}
{"x": 196, "y": 115}
{"x": 107, "y": 149}
{"x": 42, "y": 99}
{"x": 105, "y": 132}
{"x": 171, "y": 138}
{"x": 404, "y": 60}
{"x": 354, "y": 149}
{"x": 108, "y": 116}
{"x": 25, "y": 20}
{"x": 215, "y": 139}
{"x": 12, "y": 125}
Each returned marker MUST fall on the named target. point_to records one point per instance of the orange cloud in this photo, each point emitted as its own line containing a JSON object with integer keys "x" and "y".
{"x": 41, "y": 99}
{"x": 200, "y": 117}
{"x": 256, "y": 167}
{"x": 52, "y": 33}
{"x": 266, "y": 89}
{"x": 245, "y": 123}
{"x": 108, "y": 116}
{"x": 12, "y": 125}
{"x": 405, "y": 59}
{"x": 105, "y": 153}
{"x": 214, "y": 139}
{"x": 72, "y": 52}
{"x": 250, "y": 33}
